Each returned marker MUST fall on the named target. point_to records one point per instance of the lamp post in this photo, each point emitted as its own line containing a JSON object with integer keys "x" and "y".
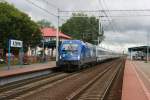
{"x": 43, "y": 49}
{"x": 98, "y": 38}
{"x": 147, "y": 58}
{"x": 57, "y": 37}
{"x": 99, "y": 30}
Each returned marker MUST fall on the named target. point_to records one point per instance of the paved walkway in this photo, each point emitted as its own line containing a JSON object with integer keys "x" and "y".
{"x": 143, "y": 66}
{"x": 133, "y": 85}
{"x": 14, "y": 70}
{"x": 143, "y": 70}
{"x": 21, "y": 66}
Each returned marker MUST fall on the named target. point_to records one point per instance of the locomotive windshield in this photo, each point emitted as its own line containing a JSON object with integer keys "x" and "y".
{"x": 70, "y": 48}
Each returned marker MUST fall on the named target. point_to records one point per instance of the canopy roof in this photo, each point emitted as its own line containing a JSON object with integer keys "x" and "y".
{"x": 140, "y": 48}
{"x": 51, "y": 32}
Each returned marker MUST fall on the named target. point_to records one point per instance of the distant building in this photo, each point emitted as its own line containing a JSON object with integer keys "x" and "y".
{"x": 49, "y": 36}
{"x": 139, "y": 53}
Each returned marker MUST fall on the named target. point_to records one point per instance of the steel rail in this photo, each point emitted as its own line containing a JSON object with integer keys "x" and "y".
{"x": 51, "y": 81}
{"x": 111, "y": 82}
{"x": 13, "y": 85}
{"x": 9, "y": 94}
{"x": 84, "y": 87}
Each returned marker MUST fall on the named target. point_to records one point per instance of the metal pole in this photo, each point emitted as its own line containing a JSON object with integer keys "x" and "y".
{"x": 130, "y": 55}
{"x": 21, "y": 55}
{"x": 57, "y": 37}
{"x": 98, "y": 38}
{"x": 99, "y": 31}
{"x": 43, "y": 49}
{"x": 147, "y": 47}
{"x": 9, "y": 54}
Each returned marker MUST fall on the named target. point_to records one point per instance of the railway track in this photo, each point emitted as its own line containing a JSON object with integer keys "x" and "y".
{"x": 97, "y": 88}
{"x": 115, "y": 91}
{"x": 13, "y": 90}
{"x": 27, "y": 88}
{"x": 26, "y": 81}
{"x": 62, "y": 89}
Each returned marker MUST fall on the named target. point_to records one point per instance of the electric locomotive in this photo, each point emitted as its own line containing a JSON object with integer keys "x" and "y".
{"x": 75, "y": 54}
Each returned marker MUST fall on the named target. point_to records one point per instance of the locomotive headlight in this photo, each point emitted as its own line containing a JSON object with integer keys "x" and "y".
{"x": 78, "y": 57}
{"x": 60, "y": 57}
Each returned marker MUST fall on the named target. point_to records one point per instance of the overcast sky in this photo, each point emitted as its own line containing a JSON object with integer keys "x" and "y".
{"x": 121, "y": 33}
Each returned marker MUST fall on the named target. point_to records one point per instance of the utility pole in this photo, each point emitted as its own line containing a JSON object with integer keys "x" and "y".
{"x": 147, "y": 47}
{"x": 99, "y": 30}
{"x": 98, "y": 38}
{"x": 43, "y": 50}
{"x": 57, "y": 38}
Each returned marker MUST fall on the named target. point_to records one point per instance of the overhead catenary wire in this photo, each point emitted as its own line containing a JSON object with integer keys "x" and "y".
{"x": 34, "y": 4}
{"x": 100, "y": 30}
{"x": 58, "y": 17}
{"x": 137, "y": 12}
{"x": 100, "y": 3}
{"x": 110, "y": 10}
{"x": 50, "y": 4}
{"x": 110, "y": 15}
{"x": 136, "y": 15}
{"x": 115, "y": 28}
{"x": 45, "y": 10}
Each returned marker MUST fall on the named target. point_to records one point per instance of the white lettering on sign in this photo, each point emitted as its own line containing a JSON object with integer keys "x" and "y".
{"x": 16, "y": 43}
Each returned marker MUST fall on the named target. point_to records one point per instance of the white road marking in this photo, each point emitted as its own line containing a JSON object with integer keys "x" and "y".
{"x": 141, "y": 82}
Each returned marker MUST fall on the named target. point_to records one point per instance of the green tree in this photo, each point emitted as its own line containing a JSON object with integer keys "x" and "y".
{"x": 44, "y": 23}
{"x": 84, "y": 28}
{"x": 15, "y": 24}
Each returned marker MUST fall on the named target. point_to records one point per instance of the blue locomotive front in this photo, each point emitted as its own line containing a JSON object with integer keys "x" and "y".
{"x": 70, "y": 53}
{"x": 75, "y": 54}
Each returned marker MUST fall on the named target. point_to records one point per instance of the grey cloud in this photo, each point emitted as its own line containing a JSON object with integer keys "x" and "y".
{"x": 128, "y": 30}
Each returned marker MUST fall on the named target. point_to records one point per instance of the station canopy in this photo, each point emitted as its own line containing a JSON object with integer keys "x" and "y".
{"x": 50, "y": 35}
{"x": 139, "y": 48}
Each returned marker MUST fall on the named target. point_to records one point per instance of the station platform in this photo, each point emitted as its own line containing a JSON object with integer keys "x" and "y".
{"x": 23, "y": 69}
{"x": 136, "y": 81}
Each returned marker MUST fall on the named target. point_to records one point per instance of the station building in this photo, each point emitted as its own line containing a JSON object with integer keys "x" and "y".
{"x": 48, "y": 43}
{"x": 47, "y": 47}
{"x": 139, "y": 53}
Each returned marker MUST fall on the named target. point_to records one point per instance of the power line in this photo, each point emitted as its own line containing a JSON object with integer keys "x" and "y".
{"x": 113, "y": 26}
{"x": 110, "y": 14}
{"x": 110, "y": 10}
{"x": 45, "y": 10}
{"x": 103, "y": 16}
{"x": 50, "y": 4}
{"x": 100, "y": 3}
{"x": 41, "y": 8}
{"x": 57, "y": 33}
{"x": 91, "y": 11}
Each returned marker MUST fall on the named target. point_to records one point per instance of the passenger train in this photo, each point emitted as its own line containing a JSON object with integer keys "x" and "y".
{"x": 76, "y": 54}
